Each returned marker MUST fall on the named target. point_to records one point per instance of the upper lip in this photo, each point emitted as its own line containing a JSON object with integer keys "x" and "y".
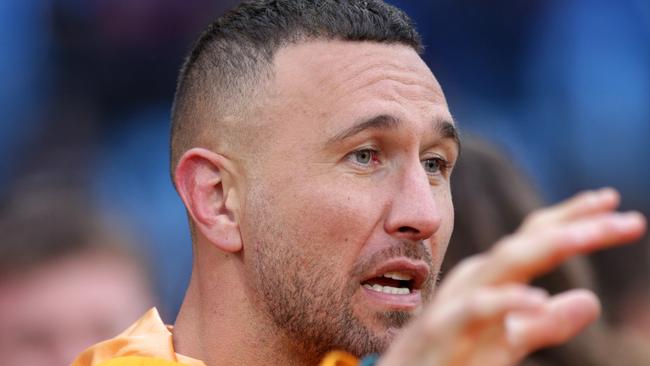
{"x": 417, "y": 269}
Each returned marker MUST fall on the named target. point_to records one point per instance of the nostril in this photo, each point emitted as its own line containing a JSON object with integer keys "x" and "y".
{"x": 408, "y": 229}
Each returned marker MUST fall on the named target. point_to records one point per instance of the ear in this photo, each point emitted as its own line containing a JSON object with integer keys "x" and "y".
{"x": 206, "y": 187}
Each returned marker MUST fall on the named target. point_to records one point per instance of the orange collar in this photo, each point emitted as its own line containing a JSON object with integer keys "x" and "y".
{"x": 147, "y": 337}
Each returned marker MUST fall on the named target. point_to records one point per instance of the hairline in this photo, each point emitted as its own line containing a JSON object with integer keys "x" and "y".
{"x": 251, "y": 84}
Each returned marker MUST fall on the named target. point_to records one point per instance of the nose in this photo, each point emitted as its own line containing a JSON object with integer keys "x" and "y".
{"x": 414, "y": 213}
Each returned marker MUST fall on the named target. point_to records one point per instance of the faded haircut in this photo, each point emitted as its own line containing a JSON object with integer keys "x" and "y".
{"x": 232, "y": 59}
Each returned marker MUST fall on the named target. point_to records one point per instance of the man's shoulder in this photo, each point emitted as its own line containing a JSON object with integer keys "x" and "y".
{"x": 147, "y": 342}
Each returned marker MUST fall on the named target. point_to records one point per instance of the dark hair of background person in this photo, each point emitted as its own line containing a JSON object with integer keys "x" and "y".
{"x": 491, "y": 199}
{"x": 232, "y": 59}
{"x": 624, "y": 276}
{"x": 42, "y": 226}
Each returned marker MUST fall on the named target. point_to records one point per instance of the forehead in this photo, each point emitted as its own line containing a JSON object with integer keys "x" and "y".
{"x": 344, "y": 81}
{"x": 334, "y": 61}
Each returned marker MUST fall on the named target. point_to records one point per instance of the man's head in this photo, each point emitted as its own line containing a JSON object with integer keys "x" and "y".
{"x": 325, "y": 151}
{"x": 68, "y": 279}
{"x": 232, "y": 61}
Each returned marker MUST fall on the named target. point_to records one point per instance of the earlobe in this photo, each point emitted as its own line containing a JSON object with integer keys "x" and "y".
{"x": 205, "y": 186}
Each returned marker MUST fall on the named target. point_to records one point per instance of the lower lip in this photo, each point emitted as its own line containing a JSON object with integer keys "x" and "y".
{"x": 393, "y": 301}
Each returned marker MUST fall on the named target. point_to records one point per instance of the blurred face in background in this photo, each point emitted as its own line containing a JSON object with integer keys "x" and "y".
{"x": 50, "y": 313}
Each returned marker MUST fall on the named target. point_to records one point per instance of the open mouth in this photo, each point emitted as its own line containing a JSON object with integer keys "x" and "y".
{"x": 395, "y": 283}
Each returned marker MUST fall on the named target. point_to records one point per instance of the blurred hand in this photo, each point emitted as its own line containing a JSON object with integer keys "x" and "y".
{"x": 484, "y": 313}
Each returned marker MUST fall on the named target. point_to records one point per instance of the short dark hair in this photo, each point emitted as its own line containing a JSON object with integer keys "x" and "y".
{"x": 232, "y": 57}
{"x": 42, "y": 227}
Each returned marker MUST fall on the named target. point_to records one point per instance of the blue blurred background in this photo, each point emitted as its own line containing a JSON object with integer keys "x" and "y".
{"x": 562, "y": 85}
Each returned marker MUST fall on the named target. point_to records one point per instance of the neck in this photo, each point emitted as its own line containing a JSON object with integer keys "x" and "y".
{"x": 222, "y": 323}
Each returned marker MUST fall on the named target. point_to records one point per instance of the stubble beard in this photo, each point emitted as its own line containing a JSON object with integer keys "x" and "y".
{"x": 313, "y": 311}
{"x": 310, "y": 306}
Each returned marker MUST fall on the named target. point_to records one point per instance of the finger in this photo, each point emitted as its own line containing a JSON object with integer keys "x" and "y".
{"x": 470, "y": 312}
{"x": 585, "y": 203}
{"x": 562, "y": 318}
{"x": 446, "y": 326}
{"x": 462, "y": 277}
{"x": 521, "y": 257}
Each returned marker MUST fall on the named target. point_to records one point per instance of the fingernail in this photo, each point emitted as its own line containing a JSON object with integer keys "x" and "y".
{"x": 628, "y": 220}
{"x": 579, "y": 235}
{"x": 515, "y": 327}
{"x": 592, "y": 199}
{"x": 607, "y": 193}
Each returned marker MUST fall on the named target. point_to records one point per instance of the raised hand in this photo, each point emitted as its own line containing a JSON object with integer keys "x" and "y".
{"x": 484, "y": 313}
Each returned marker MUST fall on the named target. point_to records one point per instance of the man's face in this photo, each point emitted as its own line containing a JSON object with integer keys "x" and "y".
{"x": 348, "y": 209}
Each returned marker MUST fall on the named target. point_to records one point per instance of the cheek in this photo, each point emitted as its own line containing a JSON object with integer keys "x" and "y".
{"x": 339, "y": 216}
{"x": 324, "y": 217}
{"x": 446, "y": 207}
{"x": 443, "y": 235}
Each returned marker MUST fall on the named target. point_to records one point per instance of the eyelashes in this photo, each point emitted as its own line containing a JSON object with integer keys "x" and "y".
{"x": 370, "y": 158}
{"x": 436, "y": 165}
{"x": 364, "y": 157}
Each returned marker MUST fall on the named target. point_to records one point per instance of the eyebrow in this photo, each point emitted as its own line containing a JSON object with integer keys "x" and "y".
{"x": 446, "y": 129}
{"x": 381, "y": 122}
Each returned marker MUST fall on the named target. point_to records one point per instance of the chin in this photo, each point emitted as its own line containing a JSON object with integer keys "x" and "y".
{"x": 385, "y": 339}
{"x": 388, "y": 325}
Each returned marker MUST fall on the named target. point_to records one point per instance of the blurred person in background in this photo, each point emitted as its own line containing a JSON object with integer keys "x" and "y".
{"x": 492, "y": 197}
{"x": 69, "y": 277}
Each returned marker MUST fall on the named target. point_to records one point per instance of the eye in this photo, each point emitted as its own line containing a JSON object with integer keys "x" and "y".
{"x": 364, "y": 156}
{"x": 434, "y": 165}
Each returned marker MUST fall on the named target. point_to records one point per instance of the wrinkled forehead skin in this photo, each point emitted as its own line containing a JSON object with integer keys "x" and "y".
{"x": 350, "y": 74}
{"x": 320, "y": 87}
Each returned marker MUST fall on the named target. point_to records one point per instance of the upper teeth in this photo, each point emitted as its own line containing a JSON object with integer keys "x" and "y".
{"x": 388, "y": 289}
{"x": 398, "y": 276}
